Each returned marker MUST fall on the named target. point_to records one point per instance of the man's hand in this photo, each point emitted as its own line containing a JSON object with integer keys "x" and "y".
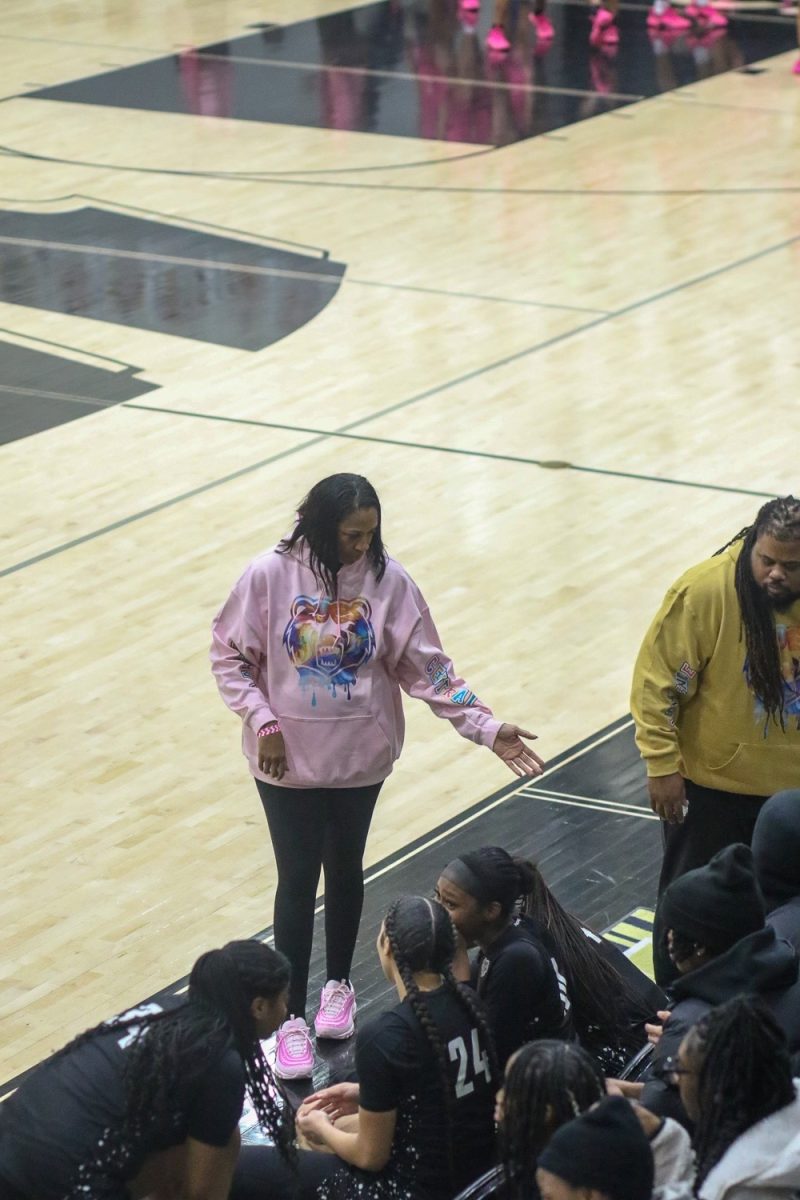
{"x": 668, "y": 797}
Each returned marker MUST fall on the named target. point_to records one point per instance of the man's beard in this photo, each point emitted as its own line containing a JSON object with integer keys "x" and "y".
{"x": 780, "y": 601}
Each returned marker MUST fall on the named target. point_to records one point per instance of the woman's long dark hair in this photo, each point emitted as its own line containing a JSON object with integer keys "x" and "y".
{"x": 745, "y": 1075}
{"x": 780, "y": 518}
{"x": 318, "y": 518}
{"x": 422, "y": 938}
{"x": 547, "y": 1084}
{"x": 169, "y": 1051}
{"x": 608, "y": 1014}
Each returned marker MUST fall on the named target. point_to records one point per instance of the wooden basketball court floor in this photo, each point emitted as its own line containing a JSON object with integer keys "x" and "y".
{"x": 548, "y": 305}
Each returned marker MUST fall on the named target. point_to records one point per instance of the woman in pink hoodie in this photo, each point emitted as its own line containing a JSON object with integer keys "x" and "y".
{"x": 312, "y": 649}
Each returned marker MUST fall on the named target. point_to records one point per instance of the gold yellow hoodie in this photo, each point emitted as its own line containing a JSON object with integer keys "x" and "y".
{"x": 691, "y": 701}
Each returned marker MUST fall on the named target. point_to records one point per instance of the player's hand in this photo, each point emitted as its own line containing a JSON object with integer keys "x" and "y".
{"x": 518, "y": 757}
{"x": 654, "y": 1031}
{"x": 339, "y": 1100}
{"x": 312, "y": 1123}
{"x": 272, "y": 755}
{"x": 668, "y": 797}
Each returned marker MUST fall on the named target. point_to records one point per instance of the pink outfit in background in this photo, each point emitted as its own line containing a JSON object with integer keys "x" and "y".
{"x": 331, "y": 670}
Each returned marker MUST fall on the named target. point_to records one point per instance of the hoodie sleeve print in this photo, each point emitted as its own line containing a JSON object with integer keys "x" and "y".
{"x": 426, "y": 673}
{"x": 665, "y": 678}
{"x": 239, "y": 652}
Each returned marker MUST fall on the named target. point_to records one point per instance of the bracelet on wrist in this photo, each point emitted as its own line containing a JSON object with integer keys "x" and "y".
{"x": 270, "y": 728}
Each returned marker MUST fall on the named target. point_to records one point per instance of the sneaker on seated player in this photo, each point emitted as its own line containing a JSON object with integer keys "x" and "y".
{"x": 294, "y": 1054}
{"x": 337, "y": 1010}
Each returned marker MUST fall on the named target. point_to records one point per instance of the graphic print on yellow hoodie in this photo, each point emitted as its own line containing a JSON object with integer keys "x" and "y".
{"x": 691, "y": 701}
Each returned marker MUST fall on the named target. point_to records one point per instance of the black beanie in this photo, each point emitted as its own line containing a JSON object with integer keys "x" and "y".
{"x": 717, "y": 904}
{"x": 606, "y": 1149}
{"x": 776, "y": 847}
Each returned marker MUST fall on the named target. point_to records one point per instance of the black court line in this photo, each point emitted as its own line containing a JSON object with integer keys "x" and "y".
{"x": 612, "y": 746}
{"x": 551, "y": 465}
{"x": 293, "y": 180}
{"x": 402, "y": 404}
{"x": 429, "y": 291}
{"x": 90, "y": 401}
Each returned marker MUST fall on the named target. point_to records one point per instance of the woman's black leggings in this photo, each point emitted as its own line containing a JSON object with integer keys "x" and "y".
{"x": 314, "y": 829}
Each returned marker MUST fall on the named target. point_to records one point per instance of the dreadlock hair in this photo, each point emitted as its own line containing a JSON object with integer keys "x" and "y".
{"x": 168, "y": 1051}
{"x": 780, "y": 518}
{"x": 609, "y": 1016}
{"x": 745, "y": 1074}
{"x": 547, "y": 1083}
{"x": 318, "y": 518}
{"x": 422, "y": 937}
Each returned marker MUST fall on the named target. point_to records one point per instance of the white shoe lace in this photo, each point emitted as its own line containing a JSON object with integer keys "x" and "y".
{"x": 296, "y": 1042}
{"x": 334, "y": 1000}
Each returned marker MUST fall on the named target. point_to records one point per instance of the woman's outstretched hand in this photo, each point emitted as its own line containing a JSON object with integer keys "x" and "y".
{"x": 518, "y": 757}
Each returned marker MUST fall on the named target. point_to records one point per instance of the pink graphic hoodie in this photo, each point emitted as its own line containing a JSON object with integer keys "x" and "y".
{"x": 331, "y": 670}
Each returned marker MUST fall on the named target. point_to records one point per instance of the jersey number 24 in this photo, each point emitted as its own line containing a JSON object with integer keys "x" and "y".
{"x": 457, "y": 1049}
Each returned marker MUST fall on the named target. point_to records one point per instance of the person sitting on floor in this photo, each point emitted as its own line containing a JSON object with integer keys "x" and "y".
{"x": 546, "y": 1084}
{"x": 152, "y": 1100}
{"x": 735, "y": 1080}
{"x": 603, "y": 1154}
{"x": 719, "y": 942}
{"x": 517, "y": 974}
{"x": 776, "y": 855}
{"x": 419, "y": 1120}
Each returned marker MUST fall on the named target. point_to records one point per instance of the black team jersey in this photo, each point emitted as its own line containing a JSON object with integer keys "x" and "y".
{"x": 55, "y": 1125}
{"x": 397, "y": 1069}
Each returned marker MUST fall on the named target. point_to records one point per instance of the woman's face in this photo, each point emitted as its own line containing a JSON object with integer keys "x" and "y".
{"x": 269, "y": 1012}
{"x": 355, "y": 533}
{"x": 466, "y": 913}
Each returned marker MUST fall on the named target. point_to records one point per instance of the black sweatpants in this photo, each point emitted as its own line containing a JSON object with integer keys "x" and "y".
{"x": 315, "y": 829}
{"x": 714, "y": 820}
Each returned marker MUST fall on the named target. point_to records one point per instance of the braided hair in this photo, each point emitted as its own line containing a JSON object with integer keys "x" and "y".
{"x": 422, "y": 937}
{"x": 168, "y": 1052}
{"x": 780, "y": 518}
{"x": 745, "y": 1074}
{"x": 547, "y": 1083}
{"x": 318, "y": 518}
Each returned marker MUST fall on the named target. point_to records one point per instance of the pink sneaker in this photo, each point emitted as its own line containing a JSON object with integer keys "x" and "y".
{"x": 545, "y": 30}
{"x": 469, "y": 6}
{"x": 497, "y": 40}
{"x": 337, "y": 1009}
{"x": 705, "y": 15}
{"x": 796, "y": 68}
{"x": 294, "y": 1055}
{"x": 670, "y": 19}
{"x": 604, "y": 29}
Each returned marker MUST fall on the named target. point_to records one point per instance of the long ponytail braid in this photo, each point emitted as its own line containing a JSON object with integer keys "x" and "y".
{"x": 422, "y": 938}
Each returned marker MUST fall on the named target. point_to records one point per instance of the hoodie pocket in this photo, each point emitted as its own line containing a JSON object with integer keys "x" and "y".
{"x": 336, "y": 751}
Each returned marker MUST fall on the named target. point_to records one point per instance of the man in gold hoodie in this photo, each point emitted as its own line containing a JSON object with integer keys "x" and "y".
{"x": 716, "y": 695}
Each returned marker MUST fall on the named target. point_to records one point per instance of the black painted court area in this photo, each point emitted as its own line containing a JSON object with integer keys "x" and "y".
{"x": 587, "y": 824}
{"x": 421, "y": 70}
